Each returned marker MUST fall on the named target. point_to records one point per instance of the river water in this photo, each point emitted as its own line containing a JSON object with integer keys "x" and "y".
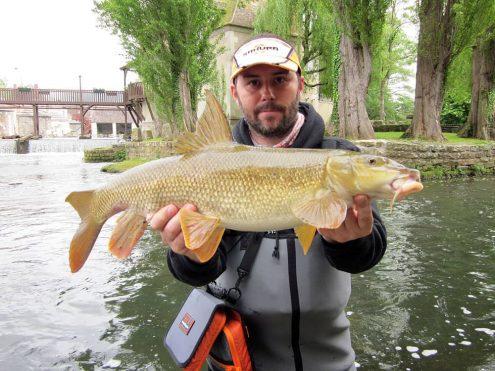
{"x": 429, "y": 304}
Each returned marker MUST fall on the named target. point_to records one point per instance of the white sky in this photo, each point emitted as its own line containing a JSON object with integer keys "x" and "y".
{"x": 52, "y": 42}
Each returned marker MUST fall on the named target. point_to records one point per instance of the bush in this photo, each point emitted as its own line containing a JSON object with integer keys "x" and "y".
{"x": 454, "y": 112}
{"x": 120, "y": 155}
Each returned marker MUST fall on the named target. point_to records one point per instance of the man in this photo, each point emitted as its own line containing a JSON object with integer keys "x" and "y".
{"x": 293, "y": 305}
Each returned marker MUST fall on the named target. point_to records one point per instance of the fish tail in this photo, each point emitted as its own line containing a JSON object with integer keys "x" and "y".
{"x": 85, "y": 236}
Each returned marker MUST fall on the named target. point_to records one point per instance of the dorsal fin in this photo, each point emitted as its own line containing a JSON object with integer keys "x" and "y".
{"x": 212, "y": 127}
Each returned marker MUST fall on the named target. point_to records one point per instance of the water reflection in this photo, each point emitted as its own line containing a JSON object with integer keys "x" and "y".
{"x": 428, "y": 305}
{"x": 431, "y": 291}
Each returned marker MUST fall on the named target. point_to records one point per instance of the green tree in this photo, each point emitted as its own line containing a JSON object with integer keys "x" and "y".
{"x": 447, "y": 27}
{"x": 168, "y": 42}
{"x": 394, "y": 52}
{"x": 457, "y": 95}
{"x": 482, "y": 38}
{"x": 361, "y": 23}
{"x": 311, "y": 24}
{"x": 2, "y": 83}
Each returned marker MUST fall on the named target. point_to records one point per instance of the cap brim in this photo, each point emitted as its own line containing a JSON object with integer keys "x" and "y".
{"x": 287, "y": 65}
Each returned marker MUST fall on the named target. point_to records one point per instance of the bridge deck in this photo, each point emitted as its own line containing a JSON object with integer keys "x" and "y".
{"x": 56, "y": 97}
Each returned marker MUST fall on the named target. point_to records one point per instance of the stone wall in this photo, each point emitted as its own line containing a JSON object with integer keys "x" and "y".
{"x": 422, "y": 155}
{"x": 148, "y": 150}
{"x": 102, "y": 154}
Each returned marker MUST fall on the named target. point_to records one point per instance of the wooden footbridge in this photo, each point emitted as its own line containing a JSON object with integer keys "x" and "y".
{"x": 129, "y": 101}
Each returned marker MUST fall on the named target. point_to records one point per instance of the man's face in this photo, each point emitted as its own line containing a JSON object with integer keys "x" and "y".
{"x": 268, "y": 97}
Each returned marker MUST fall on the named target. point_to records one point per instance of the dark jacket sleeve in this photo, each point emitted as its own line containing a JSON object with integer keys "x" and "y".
{"x": 200, "y": 274}
{"x": 358, "y": 255}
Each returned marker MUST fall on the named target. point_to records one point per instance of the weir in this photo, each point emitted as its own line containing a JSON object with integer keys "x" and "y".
{"x": 56, "y": 144}
{"x": 8, "y": 146}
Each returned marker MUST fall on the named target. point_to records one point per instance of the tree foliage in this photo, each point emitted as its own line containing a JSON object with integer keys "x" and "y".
{"x": 391, "y": 57}
{"x": 168, "y": 43}
{"x": 457, "y": 95}
{"x": 479, "y": 40}
{"x": 362, "y": 20}
{"x": 311, "y": 24}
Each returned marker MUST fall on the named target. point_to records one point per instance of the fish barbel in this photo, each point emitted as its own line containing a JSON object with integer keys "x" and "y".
{"x": 235, "y": 187}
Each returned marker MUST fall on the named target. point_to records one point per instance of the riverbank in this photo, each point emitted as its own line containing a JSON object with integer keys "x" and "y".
{"x": 434, "y": 160}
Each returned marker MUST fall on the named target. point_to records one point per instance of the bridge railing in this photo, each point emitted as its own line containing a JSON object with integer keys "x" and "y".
{"x": 135, "y": 91}
{"x": 60, "y": 96}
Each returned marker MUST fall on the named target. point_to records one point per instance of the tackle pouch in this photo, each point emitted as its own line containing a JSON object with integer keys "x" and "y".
{"x": 205, "y": 316}
{"x": 195, "y": 329}
{"x": 197, "y": 326}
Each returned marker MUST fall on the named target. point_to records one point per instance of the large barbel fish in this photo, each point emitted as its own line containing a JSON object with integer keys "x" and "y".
{"x": 236, "y": 187}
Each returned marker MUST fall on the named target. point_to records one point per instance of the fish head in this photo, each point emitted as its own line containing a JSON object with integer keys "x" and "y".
{"x": 375, "y": 176}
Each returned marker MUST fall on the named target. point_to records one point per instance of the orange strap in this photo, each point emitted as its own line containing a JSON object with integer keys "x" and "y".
{"x": 234, "y": 332}
{"x": 214, "y": 329}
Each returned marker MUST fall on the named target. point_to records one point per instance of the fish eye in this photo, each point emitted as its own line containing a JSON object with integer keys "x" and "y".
{"x": 372, "y": 161}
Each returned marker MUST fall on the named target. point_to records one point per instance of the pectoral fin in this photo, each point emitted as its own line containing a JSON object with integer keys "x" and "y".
{"x": 305, "y": 233}
{"x": 327, "y": 211}
{"x": 127, "y": 232}
{"x": 202, "y": 234}
{"x": 208, "y": 249}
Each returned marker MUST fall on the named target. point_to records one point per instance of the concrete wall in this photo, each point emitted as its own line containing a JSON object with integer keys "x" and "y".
{"x": 7, "y": 122}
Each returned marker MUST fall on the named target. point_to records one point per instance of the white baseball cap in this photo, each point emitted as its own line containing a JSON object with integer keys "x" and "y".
{"x": 265, "y": 50}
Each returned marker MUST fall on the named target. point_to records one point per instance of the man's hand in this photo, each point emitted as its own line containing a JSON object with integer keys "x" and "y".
{"x": 358, "y": 222}
{"x": 166, "y": 222}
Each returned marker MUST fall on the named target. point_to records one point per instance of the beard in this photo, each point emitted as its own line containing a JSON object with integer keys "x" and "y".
{"x": 286, "y": 124}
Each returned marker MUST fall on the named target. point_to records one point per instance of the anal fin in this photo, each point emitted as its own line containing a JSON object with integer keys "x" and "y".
{"x": 129, "y": 229}
{"x": 305, "y": 233}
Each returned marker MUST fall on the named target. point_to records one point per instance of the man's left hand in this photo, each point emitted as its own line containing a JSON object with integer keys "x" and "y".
{"x": 358, "y": 222}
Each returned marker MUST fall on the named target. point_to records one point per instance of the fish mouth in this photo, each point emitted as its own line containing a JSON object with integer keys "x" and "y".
{"x": 407, "y": 183}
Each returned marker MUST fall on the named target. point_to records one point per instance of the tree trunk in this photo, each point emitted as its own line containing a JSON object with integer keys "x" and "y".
{"x": 435, "y": 44}
{"x": 354, "y": 78}
{"x": 185, "y": 97}
{"x": 428, "y": 101}
{"x": 483, "y": 76}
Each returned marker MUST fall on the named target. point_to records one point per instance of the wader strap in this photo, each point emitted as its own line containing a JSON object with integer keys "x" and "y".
{"x": 252, "y": 244}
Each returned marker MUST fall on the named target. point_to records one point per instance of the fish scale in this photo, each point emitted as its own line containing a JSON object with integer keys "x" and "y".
{"x": 241, "y": 187}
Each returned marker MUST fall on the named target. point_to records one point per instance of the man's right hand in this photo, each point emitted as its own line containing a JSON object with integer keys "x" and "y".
{"x": 166, "y": 222}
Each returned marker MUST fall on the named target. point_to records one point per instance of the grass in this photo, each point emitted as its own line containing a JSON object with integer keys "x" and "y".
{"x": 452, "y": 138}
{"x": 119, "y": 167}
